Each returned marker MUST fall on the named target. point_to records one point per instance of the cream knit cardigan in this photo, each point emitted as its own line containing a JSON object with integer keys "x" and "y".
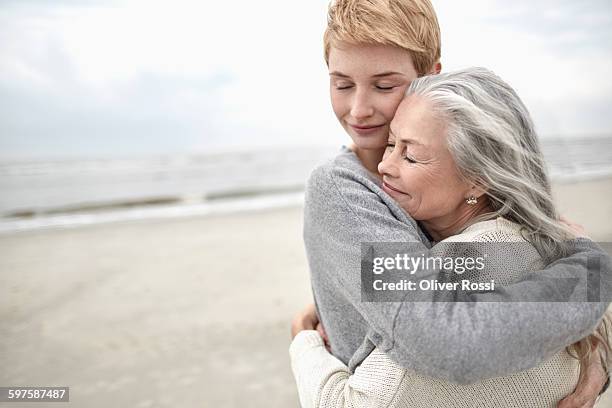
{"x": 324, "y": 381}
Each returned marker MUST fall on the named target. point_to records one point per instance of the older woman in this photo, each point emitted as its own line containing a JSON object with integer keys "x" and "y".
{"x": 462, "y": 159}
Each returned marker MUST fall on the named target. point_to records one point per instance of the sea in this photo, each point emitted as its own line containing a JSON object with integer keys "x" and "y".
{"x": 39, "y": 194}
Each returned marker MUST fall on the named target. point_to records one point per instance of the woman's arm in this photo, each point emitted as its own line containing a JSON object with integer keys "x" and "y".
{"x": 592, "y": 384}
{"x": 461, "y": 342}
{"x": 324, "y": 381}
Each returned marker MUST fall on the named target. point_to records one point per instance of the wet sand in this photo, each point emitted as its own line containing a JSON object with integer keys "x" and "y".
{"x": 186, "y": 312}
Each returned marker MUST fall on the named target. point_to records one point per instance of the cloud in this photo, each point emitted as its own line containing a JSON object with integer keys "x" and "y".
{"x": 147, "y": 114}
{"x": 194, "y": 74}
{"x": 152, "y": 76}
{"x": 557, "y": 54}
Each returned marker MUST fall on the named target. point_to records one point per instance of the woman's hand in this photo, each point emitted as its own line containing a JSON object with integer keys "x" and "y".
{"x": 306, "y": 319}
{"x": 588, "y": 389}
{"x": 576, "y": 229}
{"x": 323, "y": 334}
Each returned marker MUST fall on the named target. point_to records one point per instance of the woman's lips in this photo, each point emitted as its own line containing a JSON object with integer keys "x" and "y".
{"x": 364, "y": 130}
{"x": 390, "y": 189}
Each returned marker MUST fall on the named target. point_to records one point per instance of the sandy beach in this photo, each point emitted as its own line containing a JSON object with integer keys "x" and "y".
{"x": 190, "y": 312}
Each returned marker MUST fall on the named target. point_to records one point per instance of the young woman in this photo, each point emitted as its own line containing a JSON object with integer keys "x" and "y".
{"x": 463, "y": 159}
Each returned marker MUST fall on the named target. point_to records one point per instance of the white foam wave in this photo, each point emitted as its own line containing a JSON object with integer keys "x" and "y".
{"x": 217, "y": 207}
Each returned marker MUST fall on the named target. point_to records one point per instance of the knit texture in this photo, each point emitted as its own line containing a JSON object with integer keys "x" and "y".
{"x": 323, "y": 381}
{"x": 463, "y": 342}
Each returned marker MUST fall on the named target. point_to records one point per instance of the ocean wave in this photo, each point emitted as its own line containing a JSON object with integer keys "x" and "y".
{"x": 65, "y": 192}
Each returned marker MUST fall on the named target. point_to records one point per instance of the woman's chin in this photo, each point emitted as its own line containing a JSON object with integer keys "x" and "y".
{"x": 406, "y": 208}
{"x": 412, "y": 212}
{"x": 369, "y": 143}
{"x": 369, "y": 146}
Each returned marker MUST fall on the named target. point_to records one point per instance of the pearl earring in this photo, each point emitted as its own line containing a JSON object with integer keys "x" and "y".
{"x": 471, "y": 200}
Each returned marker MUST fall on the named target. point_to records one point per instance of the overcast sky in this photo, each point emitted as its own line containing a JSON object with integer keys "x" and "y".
{"x": 105, "y": 78}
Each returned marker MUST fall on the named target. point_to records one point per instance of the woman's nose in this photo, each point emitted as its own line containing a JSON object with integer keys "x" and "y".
{"x": 362, "y": 105}
{"x": 387, "y": 167}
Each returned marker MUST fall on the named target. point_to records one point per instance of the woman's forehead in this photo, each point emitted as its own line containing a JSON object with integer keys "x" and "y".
{"x": 370, "y": 59}
{"x": 417, "y": 123}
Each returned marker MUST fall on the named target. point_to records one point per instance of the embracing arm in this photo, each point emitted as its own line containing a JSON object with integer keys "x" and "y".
{"x": 324, "y": 381}
{"x": 462, "y": 342}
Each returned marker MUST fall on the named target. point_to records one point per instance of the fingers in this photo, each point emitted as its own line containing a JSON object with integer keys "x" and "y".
{"x": 576, "y": 229}
{"x": 296, "y": 325}
{"x": 575, "y": 400}
{"x": 590, "y": 404}
{"x": 579, "y": 398}
{"x": 323, "y": 334}
{"x": 306, "y": 319}
{"x": 310, "y": 317}
{"x": 587, "y": 391}
{"x": 573, "y": 404}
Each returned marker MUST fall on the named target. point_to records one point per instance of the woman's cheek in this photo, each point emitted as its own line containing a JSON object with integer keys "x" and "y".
{"x": 394, "y": 102}
{"x": 337, "y": 104}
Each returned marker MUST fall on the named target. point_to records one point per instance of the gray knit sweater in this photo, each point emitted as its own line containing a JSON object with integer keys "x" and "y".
{"x": 461, "y": 342}
{"x": 323, "y": 381}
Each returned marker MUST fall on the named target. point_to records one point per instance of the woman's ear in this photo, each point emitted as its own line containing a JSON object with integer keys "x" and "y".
{"x": 436, "y": 68}
{"x": 477, "y": 191}
{"x": 474, "y": 188}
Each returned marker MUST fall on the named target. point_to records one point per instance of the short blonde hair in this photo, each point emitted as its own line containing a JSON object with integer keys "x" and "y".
{"x": 408, "y": 24}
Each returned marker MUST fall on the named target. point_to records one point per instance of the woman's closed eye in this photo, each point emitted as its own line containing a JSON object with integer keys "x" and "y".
{"x": 408, "y": 158}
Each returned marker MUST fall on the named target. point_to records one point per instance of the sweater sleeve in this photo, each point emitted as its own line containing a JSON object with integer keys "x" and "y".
{"x": 462, "y": 342}
{"x": 323, "y": 381}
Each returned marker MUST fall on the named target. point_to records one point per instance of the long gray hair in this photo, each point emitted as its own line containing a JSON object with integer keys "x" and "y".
{"x": 494, "y": 144}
